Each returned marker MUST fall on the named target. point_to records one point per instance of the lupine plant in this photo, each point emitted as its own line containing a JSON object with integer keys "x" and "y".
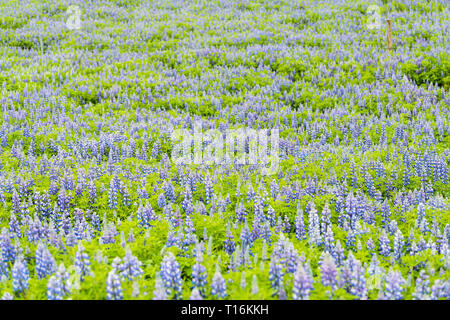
{"x": 95, "y": 204}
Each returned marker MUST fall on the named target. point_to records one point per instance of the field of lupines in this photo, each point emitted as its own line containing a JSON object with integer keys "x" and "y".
{"x": 94, "y": 207}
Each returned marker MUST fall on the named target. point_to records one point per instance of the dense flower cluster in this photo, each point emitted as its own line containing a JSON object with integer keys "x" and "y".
{"x": 94, "y": 206}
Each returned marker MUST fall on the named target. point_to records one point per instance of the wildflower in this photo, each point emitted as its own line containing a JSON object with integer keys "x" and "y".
{"x": 171, "y": 276}
{"x": 20, "y": 275}
{"x": 303, "y": 284}
{"x": 113, "y": 286}
{"x": 218, "y": 286}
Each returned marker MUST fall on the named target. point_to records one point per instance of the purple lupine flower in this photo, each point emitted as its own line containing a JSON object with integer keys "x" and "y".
{"x": 394, "y": 285}
{"x": 339, "y": 254}
{"x": 328, "y": 272}
{"x": 126, "y": 197}
{"x": 171, "y": 276}
{"x": 398, "y": 245}
{"x": 209, "y": 190}
{"x": 353, "y": 277}
{"x": 422, "y": 289}
{"x": 300, "y": 233}
{"x": 229, "y": 242}
{"x": 14, "y": 227}
{"x": 113, "y": 286}
{"x": 385, "y": 244}
{"x": 161, "y": 200}
{"x": 286, "y": 225}
{"x": 329, "y": 240}
{"x": 6, "y": 247}
{"x": 266, "y": 234}
{"x": 109, "y": 233}
{"x": 241, "y": 215}
{"x": 245, "y": 237}
{"x": 45, "y": 263}
{"x": 271, "y": 218}
{"x": 160, "y": 292}
{"x": 113, "y": 193}
{"x": 20, "y": 275}
{"x": 276, "y": 273}
{"x": 314, "y": 237}
{"x": 131, "y": 266}
{"x": 255, "y": 287}
{"x": 58, "y": 285}
{"x": 218, "y": 286}
{"x": 303, "y": 284}
{"x": 82, "y": 263}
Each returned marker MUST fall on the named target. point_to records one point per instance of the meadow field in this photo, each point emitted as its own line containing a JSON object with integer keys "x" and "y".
{"x": 224, "y": 149}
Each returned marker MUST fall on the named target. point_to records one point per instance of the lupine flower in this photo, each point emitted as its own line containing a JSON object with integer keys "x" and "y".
{"x": 229, "y": 243}
{"x": 422, "y": 289}
{"x": 45, "y": 263}
{"x": 113, "y": 286}
{"x": 328, "y": 272}
{"x": 20, "y": 275}
{"x": 58, "y": 285}
{"x": 218, "y": 286}
{"x": 131, "y": 266}
{"x": 394, "y": 286}
{"x": 82, "y": 263}
{"x": 171, "y": 276}
{"x": 303, "y": 284}
{"x": 276, "y": 274}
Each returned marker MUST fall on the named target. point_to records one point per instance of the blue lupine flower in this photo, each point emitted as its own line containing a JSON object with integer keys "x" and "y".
{"x": 58, "y": 285}
{"x": 112, "y": 194}
{"x": 82, "y": 263}
{"x": 422, "y": 289}
{"x": 199, "y": 277}
{"x": 328, "y": 272}
{"x": 109, "y": 233}
{"x": 241, "y": 215}
{"x": 394, "y": 285}
{"x": 314, "y": 237}
{"x": 113, "y": 286}
{"x": 131, "y": 266}
{"x": 300, "y": 233}
{"x": 6, "y": 247}
{"x": 276, "y": 274}
{"x": 229, "y": 242}
{"x": 171, "y": 276}
{"x": 45, "y": 263}
{"x": 160, "y": 291}
{"x": 209, "y": 190}
{"x": 398, "y": 245}
{"x": 218, "y": 286}
{"x": 20, "y": 275}
{"x": 303, "y": 284}
{"x": 385, "y": 245}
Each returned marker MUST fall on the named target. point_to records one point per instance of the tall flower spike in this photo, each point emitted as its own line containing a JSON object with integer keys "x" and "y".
{"x": 20, "y": 275}
{"x": 113, "y": 286}
{"x": 394, "y": 285}
{"x": 303, "y": 284}
{"x": 171, "y": 276}
{"x": 82, "y": 263}
{"x": 218, "y": 286}
{"x": 328, "y": 272}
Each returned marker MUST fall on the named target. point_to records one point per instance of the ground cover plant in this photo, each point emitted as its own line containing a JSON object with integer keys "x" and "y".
{"x": 94, "y": 207}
